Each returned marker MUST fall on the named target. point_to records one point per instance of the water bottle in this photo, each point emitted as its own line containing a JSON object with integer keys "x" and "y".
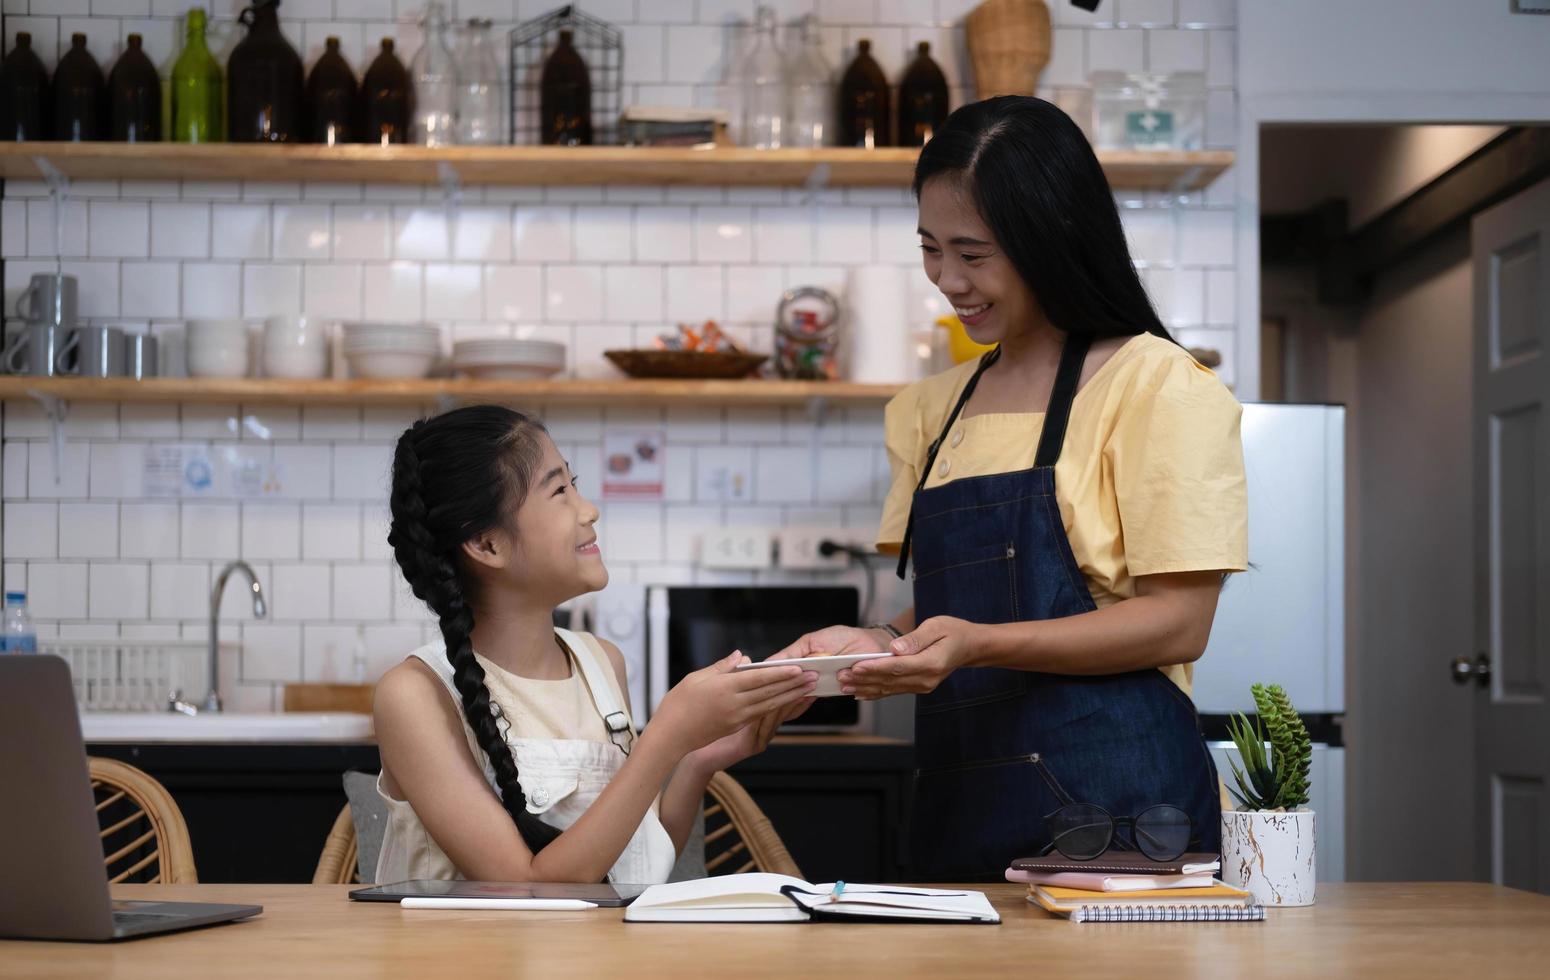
{"x": 20, "y": 636}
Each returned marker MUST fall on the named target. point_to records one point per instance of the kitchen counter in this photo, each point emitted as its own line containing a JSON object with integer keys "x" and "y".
{"x": 1367, "y": 930}
{"x": 225, "y": 728}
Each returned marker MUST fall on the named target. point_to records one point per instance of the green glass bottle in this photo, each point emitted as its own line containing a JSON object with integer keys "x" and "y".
{"x": 196, "y": 88}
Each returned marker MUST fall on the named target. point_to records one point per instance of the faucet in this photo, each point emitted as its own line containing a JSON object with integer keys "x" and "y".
{"x": 213, "y": 699}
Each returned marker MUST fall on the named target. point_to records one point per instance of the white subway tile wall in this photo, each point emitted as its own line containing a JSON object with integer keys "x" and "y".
{"x": 589, "y": 266}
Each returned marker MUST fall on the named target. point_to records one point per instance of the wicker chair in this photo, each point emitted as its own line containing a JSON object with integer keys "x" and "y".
{"x": 144, "y": 838}
{"x": 735, "y": 830}
{"x": 336, "y": 865}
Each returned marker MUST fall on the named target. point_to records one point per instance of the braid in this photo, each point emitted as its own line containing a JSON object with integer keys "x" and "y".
{"x": 429, "y": 569}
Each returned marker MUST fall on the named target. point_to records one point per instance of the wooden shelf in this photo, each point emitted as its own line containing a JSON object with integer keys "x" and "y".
{"x": 536, "y": 165}
{"x": 259, "y": 391}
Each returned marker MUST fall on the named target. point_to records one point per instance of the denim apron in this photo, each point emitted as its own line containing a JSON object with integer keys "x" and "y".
{"x": 993, "y": 549}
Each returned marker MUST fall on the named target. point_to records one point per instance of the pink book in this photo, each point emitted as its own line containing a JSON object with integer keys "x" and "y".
{"x": 1098, "y": 882}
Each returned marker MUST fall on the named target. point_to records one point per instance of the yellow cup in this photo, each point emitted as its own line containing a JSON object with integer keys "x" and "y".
{"x": 959, "y": 343}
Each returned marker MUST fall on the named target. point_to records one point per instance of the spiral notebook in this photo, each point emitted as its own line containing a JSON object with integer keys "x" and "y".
{"x": 1218, "y": 903}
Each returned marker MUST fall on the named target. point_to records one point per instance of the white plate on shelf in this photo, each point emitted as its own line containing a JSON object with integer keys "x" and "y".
{"x": 509, "y": 372}
{"x": 827, "y": 669}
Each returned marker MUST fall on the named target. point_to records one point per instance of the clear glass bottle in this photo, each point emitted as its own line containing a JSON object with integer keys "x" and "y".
{"x": 433, "y": 83}
{"x": 758, "y": 89}
{"x": 810, "y": 90}
{"x": 197, "y": 104}
{"x": 479, "y": 118}
{"x": 19, "y": 635}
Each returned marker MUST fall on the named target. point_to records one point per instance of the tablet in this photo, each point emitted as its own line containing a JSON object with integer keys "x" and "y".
{"x": 604, "y": 895}
{"x": 825, "y": 667}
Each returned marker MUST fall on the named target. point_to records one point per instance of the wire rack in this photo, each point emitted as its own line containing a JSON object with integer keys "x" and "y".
{"x": 599, "y": 45}
{"x": 131, "y": 675}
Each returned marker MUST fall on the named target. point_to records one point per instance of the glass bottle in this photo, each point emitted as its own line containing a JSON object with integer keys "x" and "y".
{"x": 922, "y": 99}
{"x": 134, "y": 96}
{"x": 80, "y": 95}
{"x": 565, "y": 97}
{"x": 864, "y": 117}
{"x": 24, "y": 93}
{"x": 196, "y": 87}
{"x": 479, "y": 121}
{"x": 760, "y": 88}
{"x": 385, "y": 99}
{"x": 330, "y": 98}
{"x": 18, "y": 635}
{"x": 809, "y": 90}
{"x": 264, "y": 81}
{"x": 433, "y": 83}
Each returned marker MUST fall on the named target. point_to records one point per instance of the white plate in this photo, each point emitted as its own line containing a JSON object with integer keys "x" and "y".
{"x": 827, "y": 669}
{"x": 509, "y": 372}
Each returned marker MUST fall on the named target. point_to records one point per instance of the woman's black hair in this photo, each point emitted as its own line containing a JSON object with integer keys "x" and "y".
{"x": 456, "y": 476}
{"x": 1037, "y": 184}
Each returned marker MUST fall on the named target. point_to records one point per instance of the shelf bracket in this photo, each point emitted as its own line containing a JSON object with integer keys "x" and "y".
{"x": 818, "y": 410}
{"x": 445, "y": 402}
{"x": 56, "y": 409}
{"x": 58, "y": 195}
{"x": 817, "y": 181}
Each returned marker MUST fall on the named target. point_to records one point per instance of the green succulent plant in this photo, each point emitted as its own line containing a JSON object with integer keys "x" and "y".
{"x": 1279, "y": 781}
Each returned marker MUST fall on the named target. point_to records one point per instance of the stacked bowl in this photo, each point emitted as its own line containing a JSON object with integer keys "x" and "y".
{"x": 508, "y": 360}
{"x": 217, "y": 348}
{"x": 295, "y": 347}
{"x": 391, "y": 350}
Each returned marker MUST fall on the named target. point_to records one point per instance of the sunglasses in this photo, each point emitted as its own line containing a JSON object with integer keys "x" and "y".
{"x": 1083, "y": 831}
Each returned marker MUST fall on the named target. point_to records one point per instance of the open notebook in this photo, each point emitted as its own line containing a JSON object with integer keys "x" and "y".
{"x": 778, "y": 898}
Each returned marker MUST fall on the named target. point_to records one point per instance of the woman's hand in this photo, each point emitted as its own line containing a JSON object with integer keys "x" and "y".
{"x": 921, "y": 660}
{"x": 717, "y": 701}
{"x": 751, "y": 739}
{"x": 835, "y": 641}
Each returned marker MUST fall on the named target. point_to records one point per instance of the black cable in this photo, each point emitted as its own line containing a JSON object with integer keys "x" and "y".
{"x": 829, "y": 549}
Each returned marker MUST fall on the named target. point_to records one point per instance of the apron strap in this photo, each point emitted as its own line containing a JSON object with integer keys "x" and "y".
{"x": 936, "y": 445}
{"x": 1058, "y": 414}
{"x": 1052, "y": 436}
{"x": 615, "y": 719}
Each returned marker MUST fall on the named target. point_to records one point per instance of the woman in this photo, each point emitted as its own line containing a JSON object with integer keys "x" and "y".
{"x": 1071, "y": 503}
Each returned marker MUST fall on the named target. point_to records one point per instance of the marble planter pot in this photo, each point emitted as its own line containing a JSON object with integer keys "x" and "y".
{"x": 1271, "y": 854}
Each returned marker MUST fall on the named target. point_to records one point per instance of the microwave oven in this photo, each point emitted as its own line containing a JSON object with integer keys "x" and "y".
{"x": 668, "y": 631}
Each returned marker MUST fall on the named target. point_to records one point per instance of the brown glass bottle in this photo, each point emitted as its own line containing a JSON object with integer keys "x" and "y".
{"x": 80, "y": 95}
{"x": 864, "y": 116}
{"x": 24, "y": 93}
{"x": 134, "y": 97}
{"x": 264, "y": 81}
{"x": 331, "y": 97}
{"x": 922, "y": 99}
{"x": 384, "y": 111}
{"x": 565, "y": 97}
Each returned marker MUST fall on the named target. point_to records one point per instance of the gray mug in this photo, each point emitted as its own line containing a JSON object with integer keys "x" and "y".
{"x": 139, "y": 356}
{"x": 49, "y": 298}
{"x": 99, "y": 352}
{"x": 33, "y": 350}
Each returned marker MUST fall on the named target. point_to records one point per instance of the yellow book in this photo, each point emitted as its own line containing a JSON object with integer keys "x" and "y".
{"x": 1217, "y": 903}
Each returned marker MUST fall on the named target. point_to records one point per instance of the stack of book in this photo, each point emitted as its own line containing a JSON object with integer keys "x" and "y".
{"x": 1127, "y": 887}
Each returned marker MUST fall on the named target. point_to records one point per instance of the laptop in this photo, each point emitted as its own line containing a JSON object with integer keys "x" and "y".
{"x": 56, "y": 885}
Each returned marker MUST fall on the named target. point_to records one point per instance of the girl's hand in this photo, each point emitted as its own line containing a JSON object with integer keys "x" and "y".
{"x": 921, "y": 660}
{"x": 717, "y": 701}
{"x": 834, "y": 641}
{"x": 750, "y": 740}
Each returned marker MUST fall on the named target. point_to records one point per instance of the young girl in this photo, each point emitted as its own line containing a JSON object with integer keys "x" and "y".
{"x": 508, "y": 753}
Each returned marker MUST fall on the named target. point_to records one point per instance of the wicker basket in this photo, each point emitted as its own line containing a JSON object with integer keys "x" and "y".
{"x": 1009, "y": 44}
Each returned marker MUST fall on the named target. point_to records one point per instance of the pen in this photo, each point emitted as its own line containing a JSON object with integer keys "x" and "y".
{"x": 500, "y": 904}
{"x": 839, "y": 889}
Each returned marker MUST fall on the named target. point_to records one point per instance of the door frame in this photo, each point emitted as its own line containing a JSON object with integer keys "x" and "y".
{"x": 1375, "y": 108}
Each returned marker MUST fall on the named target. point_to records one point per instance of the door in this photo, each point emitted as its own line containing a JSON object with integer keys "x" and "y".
{"x": 1510, "y": 665}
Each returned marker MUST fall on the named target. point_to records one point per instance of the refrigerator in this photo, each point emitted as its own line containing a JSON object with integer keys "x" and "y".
{"x": 1283, "y": 621}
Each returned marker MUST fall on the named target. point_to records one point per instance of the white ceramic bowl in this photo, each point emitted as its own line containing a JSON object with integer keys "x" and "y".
{"x": 301, "y": 333}
{"x": 296, "y": 364}
{"x": 508, "y": 372}
{"x": 217, "y": 362}
{"x": 389, "y": 364}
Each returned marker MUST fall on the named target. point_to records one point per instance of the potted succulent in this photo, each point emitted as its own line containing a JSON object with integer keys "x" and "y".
{"x": 1268, "y": 843}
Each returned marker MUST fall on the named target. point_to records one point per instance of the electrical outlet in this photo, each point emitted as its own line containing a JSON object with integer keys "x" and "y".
{"x": 798, "y": 548}
{"x": 735, "y": 547}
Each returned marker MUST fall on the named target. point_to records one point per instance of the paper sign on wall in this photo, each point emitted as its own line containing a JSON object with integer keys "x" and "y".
{"x": 632, "y": 465}
{"x": 181, "y": 470}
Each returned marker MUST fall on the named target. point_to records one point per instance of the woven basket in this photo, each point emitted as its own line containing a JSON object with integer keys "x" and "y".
{"x": 1009, "y": 44}
{"x": 685, "y": 363}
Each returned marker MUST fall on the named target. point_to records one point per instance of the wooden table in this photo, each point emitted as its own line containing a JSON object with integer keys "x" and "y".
{"x": 1364, "y": 930}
